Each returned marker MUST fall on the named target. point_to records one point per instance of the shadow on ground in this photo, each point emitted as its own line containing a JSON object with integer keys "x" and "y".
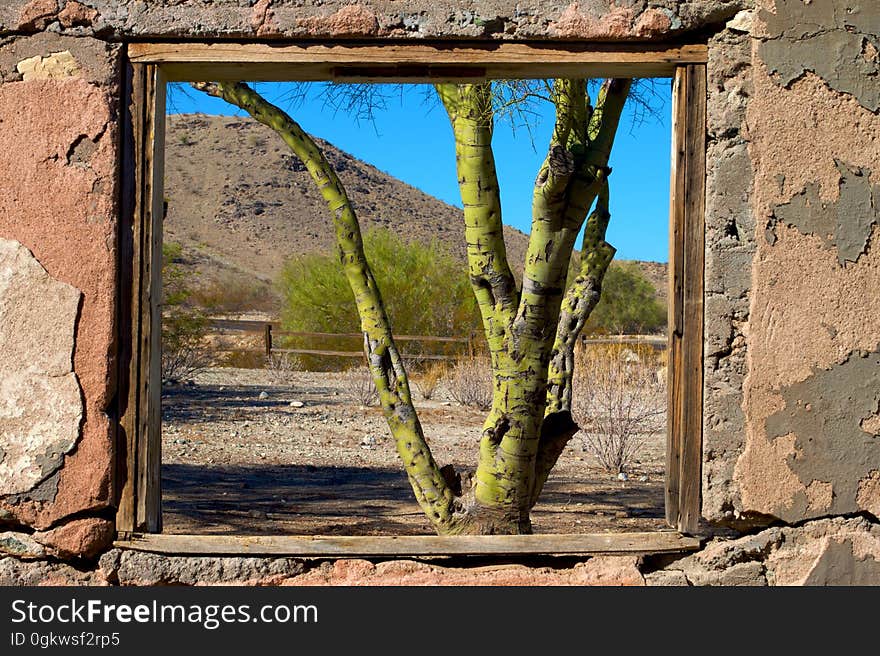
{"x": 187, "y": 403}
{"x": 311, "y": 500}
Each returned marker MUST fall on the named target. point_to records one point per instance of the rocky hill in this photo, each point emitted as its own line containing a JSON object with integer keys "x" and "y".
{"x": 240, "y": 203}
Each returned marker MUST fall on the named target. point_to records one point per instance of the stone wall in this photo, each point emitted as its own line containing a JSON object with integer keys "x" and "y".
{"x": 791, "y": 397}
{"x": 341, "y": 19}
{"x": 791, "y": 472}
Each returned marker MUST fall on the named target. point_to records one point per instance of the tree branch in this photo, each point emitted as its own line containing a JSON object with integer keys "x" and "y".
{"x": 573, "y": 173}
{"x": 470, "y": 111}
{"x": 431, "y": 490}
{"x": 580, "y": 299}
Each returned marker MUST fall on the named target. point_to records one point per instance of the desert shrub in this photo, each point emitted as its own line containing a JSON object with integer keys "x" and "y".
{"x": 233, "y": 293}
{"x": 244, "y": 358}
{"x": 426, "y": 292}
{"x": 428, "y": 378}
{"x": 618, "y": 401}
{"x": 644, "y": 353}
{"x": 470, "y": 382}
{"x": 256, "y": 141}
{"x": 628, "y": 304}
{"x": 282, "y": 367}
{"x": 184, "y": 326}
{"x": 358, "y": 385}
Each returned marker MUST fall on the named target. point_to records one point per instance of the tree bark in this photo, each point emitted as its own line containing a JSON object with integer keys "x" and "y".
{"x": 580, "y": 299}
{"x": 529, "y": 422}
{"x": 431, "y": 490}
{"x": 515, "y": 453}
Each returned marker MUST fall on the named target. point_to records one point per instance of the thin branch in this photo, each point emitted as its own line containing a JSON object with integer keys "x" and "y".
{"x": 432, "y": 492}
{"x": 470, "y": 112}
{"x": 580, "y": 299}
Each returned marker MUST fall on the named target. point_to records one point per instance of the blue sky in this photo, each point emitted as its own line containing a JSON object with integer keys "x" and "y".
{"x": 410, "y": 138}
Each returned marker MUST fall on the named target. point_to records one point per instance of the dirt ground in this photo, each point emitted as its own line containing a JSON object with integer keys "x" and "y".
{"x": 247, "y": 452}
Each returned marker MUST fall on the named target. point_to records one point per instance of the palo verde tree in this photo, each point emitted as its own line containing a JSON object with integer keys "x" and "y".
{"x": 531, "y": 329}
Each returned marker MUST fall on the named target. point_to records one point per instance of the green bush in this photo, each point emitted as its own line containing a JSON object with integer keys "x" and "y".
{"x": 426, "y": 292}
{"x": 183, "y": 326}
{"x": 234, "y": 293}
{"x": 628, "y": 304}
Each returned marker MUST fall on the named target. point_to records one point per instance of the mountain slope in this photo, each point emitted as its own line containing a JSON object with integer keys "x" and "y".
{"x": 240, "y": 203}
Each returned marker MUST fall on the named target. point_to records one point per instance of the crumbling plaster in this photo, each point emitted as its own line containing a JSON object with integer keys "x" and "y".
{"x": 40, "y": 404}
{"x": 791, "y": 226}
{"x": 59, "y": 158}
{"x": 837, "y": 41}
{"x": 813, "y": 307}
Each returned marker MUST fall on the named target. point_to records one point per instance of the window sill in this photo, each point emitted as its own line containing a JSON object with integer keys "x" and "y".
{"x": 409, "y": 546}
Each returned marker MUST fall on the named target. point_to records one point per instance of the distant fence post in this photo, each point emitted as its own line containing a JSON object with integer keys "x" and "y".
{"x": 267, "y": 338}
{"x": 471, "y": 346}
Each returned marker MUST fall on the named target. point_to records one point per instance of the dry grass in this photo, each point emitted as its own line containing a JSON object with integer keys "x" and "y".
{"x": 619, "y": 402}
{"x": 243, "y": 359}
{"x": 470, "y": 382}
{"x": 233, "y": 294}
{"x": 282, "y": 366}
{"x": 359, "y": 387}
{"x": 429, "y": 378}
{"x": 183, "y": 361}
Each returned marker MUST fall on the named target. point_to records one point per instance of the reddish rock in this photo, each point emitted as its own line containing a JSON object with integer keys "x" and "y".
{"x": 573, "y": 23}
{"x": 36, "y": 15}
{"x": 263, "y": 19}
{"x": 75, "y": 14}
{"x": 611, "y": 570}
{"x": 652, "y": 22}
{"x": 351, "y": 20}
{"x": 83, "y": 538}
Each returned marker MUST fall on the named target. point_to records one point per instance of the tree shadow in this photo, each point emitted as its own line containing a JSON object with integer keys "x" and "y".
{"x": 289, "y": 499}
{"x": 643, "y": 501}
{"x": 330, "y": 500}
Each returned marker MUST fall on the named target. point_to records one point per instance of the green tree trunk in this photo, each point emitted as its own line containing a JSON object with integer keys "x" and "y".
{"x": 431, "y": 489}
{"x": 531, "y": 349}
{"x": 519, "y": 446}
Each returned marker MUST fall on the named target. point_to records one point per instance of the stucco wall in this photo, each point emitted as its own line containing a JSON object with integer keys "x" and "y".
{"x": 59, "y": 101}
{"x": 792, "y": 336}
{"x": 789, "y": 428}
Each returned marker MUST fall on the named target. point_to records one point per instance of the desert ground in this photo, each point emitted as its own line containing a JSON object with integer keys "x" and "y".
{"x": 252, "y": 451}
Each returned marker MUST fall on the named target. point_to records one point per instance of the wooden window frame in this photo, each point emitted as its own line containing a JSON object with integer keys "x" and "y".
{"x": 151, "y": 65}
